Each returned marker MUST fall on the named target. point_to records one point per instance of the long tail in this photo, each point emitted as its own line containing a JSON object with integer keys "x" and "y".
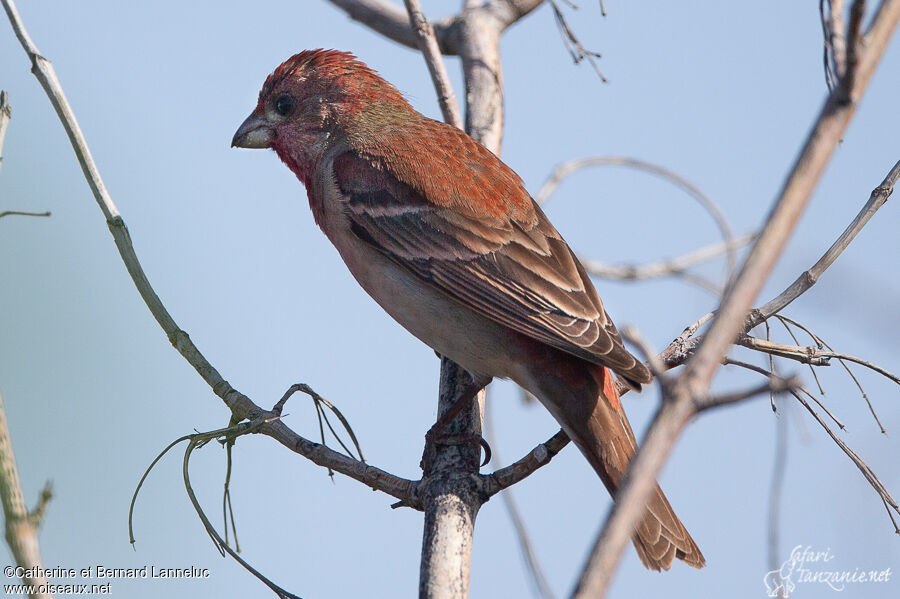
{"x": 661, "y": 536}
{"x": 602, "y": 433}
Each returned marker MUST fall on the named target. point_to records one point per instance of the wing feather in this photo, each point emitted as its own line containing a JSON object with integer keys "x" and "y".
{"x": 511, "y": 266}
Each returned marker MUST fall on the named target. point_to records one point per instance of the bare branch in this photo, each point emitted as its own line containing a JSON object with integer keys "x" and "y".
{"x": 392, "y": 22}
{"x": 776, "y": 486}
{"x": 524, "y": 467}
{"x": 21, "y": 213}
{"x": 576, "y": 49}
{"x": 854, "y": 29}
{"x": 5, "y": 114}
{"x": 532, "y": 564}
{"x": 21, "y": 525}
{"x": 199, "y": 440}
{"x": 682, "y": 403}
{"x": 240, "y": 405}
{"x": 834, "y": 56}
{"x": 808, "y": 278}
{"x": 431, "y": 52}
{"x": 667, "y": 266}
{"x": 775, "y": 385}
{"x": 568, "y": 168}
{"x": 854, "y": 457}
{"x": 811, "y": 355}
{"x": 657, "y": 368}
{"x": 787, "y": 327}
{"x": 510, "y": 11}
{"x": 685, "y": 344}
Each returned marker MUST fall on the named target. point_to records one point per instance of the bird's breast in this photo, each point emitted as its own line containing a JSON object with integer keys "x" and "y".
{"x": 448, "y": 327}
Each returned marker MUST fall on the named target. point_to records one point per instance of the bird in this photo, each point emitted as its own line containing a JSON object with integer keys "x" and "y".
{"x": 443, "y": 235}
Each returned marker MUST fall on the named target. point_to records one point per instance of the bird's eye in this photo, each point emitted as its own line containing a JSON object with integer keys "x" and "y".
{"x": 285, "y": 105}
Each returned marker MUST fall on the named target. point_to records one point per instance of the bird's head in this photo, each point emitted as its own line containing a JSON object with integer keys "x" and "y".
{"x": 313, "y": 97}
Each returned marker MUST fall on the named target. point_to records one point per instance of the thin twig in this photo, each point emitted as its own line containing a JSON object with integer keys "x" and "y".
{"x": 776, "y": 486}
{"x": 392, "y": 22}
{"x": 240, "y": 405}
{"x": 574, "y": 46}
{"x": 686, "y": 393}
{"x": 834, "y": 55}
{"x": 787, "y": 327}
{"x": 532, "y": 565}
{"x": 199, "y": 440}
{"x": 807, "y": 279}
{"x": 834, "y": 418}
{"x": 22, "y": 213}
{"x": 821, "y": 343}
{"x": 667, "y": 266}
{"x": 775, "y": 385}
{"x": 854, "y": 457}
{"x": 568, "y": 168}
{"x": 811, "y": 355}
{"x": 428, "y": 44}
{"x": 5, "y": 115}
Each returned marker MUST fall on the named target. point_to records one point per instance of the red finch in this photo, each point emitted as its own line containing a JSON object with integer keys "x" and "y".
{"x": 444, "y": 236}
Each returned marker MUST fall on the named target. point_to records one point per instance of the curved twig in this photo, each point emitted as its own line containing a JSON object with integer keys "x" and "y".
{"x": 567, "y": 168}
{"x": 199, "y": 440}
{"x": 668, "y": 266}
{"x": 684, "y": 401}
{"x": 240, "y": 405}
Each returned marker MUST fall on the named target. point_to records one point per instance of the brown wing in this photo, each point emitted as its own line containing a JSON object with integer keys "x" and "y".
{"x": 511, "y": 266}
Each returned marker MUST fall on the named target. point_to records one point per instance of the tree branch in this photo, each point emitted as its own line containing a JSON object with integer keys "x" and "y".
{"x": 667, "y": 266}
{"x": 685, "y": 398}
{"x": 568, "y": 168}
{"x": 241, "y": 406}
{"x": 5, "y": 114}
{"x": 809, "y": 278}
{"x": 428, "y": 45}
{"x": 392, "y": 22}
{"x": 21, "y": 525}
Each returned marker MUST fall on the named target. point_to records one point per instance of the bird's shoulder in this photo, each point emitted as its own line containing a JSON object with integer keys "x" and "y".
{"x": 428, "y": 161}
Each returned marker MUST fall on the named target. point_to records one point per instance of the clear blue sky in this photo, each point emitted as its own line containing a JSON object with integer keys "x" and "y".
{"x": 722, "y": 93}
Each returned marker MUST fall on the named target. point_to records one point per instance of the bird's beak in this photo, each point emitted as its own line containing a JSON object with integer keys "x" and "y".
{"x": 253, "y": 133}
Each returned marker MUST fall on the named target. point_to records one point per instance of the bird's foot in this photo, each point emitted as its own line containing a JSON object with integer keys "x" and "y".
{"x": 435, "y": 436}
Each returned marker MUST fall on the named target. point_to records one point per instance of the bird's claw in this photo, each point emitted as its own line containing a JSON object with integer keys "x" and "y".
{"x": 434, "y": 438}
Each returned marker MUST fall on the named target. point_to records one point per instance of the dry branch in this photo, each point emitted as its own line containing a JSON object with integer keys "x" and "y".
{"x": 808, "y": 278}
{"x": 21, "y": 524}
{"x": 684, "y": 398}
{"x": 428, "y": 45}
{"x": 392, "y": 22}
{"x": 240, "y": 405}
{"x": 5, "y": 114}
{"x": 566, "y": 169}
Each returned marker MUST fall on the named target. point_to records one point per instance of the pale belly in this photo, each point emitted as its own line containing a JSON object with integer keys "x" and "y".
{"x": 476, "y": 343}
